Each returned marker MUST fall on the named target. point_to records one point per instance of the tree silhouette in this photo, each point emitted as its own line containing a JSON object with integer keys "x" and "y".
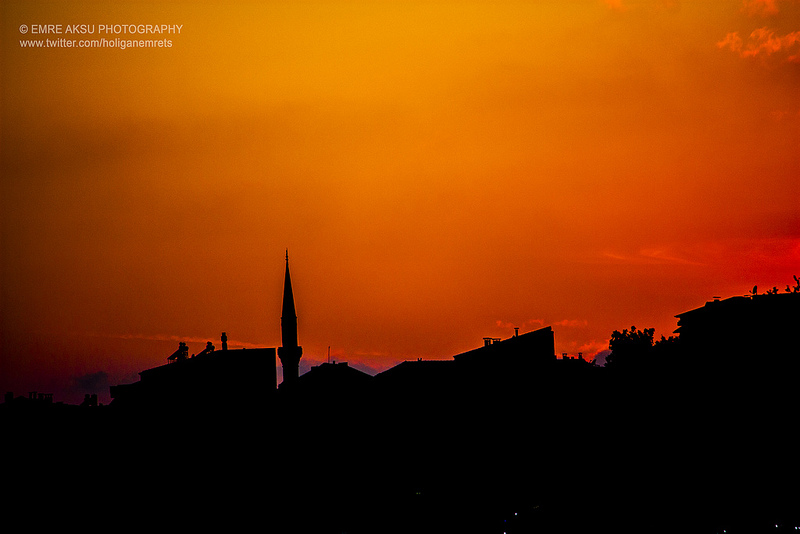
{"x": 796, "y": 288}
{"x": 630, "y": 349}
{"x": 666, "y": 349}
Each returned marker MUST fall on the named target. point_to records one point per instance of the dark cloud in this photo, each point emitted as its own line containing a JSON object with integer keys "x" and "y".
{"x": 600, "y": 357}
{"x": 92, "y": 382}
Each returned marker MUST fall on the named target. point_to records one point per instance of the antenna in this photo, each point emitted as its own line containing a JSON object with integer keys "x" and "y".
{"x": 329, "y": 354}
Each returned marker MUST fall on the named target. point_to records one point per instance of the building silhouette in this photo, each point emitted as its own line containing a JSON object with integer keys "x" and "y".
{"x": 743, "y": 334}
{"x": 219, "y": 377}
{"x": 506, "y": 437}
{"x": 211, "y": 378}
{"x": 248, "y": 376}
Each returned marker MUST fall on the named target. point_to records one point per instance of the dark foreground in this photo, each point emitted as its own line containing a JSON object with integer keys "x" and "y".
{"x": 606, "y": 454}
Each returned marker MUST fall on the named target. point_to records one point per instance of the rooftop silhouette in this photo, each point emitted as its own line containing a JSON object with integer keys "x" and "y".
{"x": 692, "y": 433}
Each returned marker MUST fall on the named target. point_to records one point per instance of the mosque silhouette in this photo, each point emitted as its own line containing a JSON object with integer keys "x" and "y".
{"x": 246, "y": 377}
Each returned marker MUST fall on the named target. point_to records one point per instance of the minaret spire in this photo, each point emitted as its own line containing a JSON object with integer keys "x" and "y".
{"x": 289, "y": 352}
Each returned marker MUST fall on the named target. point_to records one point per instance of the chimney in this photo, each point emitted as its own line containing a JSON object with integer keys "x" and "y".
{"x": 224, "y": 341}
{"x": 516, "y": 331}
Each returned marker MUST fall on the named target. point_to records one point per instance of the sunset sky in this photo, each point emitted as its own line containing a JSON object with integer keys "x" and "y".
{"x": 439, "y": 172}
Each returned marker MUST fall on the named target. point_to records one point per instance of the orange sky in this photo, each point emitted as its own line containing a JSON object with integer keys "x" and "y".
{"x": 439, "y": 171}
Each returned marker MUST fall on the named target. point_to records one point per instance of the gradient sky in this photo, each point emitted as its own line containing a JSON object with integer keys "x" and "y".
{"x": 439, "y": 171}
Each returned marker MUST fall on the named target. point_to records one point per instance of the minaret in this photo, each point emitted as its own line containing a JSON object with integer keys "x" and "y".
{"x": 289, "y": 352}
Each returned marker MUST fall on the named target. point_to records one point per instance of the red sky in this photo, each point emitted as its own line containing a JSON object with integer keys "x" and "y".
{"x": 439, "y": 171}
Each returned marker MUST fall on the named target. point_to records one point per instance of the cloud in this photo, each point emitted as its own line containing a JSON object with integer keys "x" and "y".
{"x": 651, "y": 256}
{"x": 615, "y": 5}
{"x": 661, "y": 255}
{"x": 763, "y": 43}
{"x": 590, "y": 350}
{"x": 372, "y": 353}
{"x": 732, "y": 41}
{"x": 536, "y": 323}
{"x": 779, "y": 115}
{"x": 572, "y": 323}
{"x": 186, "y": 339}
{"x": 92, "y": 382}
{"x": 761, "y": 8}
{"x": 621, "y": 6}
{"x": 600, "y": 357}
